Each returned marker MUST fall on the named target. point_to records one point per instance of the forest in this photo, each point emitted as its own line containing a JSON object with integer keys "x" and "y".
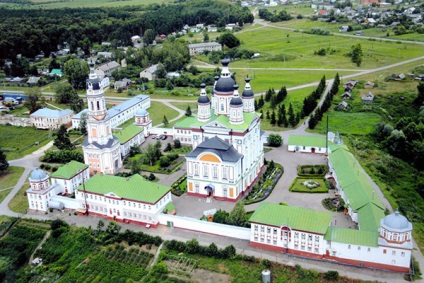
{"x": 30, "y": 32}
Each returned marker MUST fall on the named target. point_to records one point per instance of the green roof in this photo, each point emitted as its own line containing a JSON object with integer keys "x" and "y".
{"x": 294, "y": 217}
{"x": 127, "y": 133}
{"x": 69, "y": 170}
{"x": 357, "y": 187}
{"x": 56, "y": 72}
{"x": 369, "y": 217}
{"x": 132, "y": 188}
{"x": 307, "y": 141}
{"x": 224, "y": 120}
{"x": 353, "y": 237}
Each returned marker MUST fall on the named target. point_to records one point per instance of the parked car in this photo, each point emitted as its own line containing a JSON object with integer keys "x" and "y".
{"x": 163, "y": 137}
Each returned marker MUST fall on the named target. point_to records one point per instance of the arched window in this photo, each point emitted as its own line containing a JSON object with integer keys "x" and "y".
{"x": 98, "y": 105}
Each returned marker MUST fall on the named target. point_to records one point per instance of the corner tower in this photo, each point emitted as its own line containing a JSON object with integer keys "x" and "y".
{"x": 203, "y": 105}
{"x": 248, "y": 97}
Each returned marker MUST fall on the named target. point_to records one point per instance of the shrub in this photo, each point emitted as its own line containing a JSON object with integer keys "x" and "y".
{"x": 152, "y": 177}
{"x": 331, "y": 275}
{"x": 266, "y": 263}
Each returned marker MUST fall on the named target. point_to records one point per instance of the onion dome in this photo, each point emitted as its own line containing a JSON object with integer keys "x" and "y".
{"x": 396, "y": 222}
{"x": 225, "y": 82}
{"x": 247, "y": 93}
{"x": 203, "y": 98}
{"x": 38, "y": 174}
{"x": 236, "y": 100}
{"x": 224, "y": 85}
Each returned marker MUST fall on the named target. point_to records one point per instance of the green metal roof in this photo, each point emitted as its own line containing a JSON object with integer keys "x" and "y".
{"x": 128, "y": 133}
{"x": 294, "y": 217}
{"x": 369, "y": 217}
{"x": 307, "y": 141}
{"x": 353, "y": 237}
{"x": 357, "y": 187}
{"x": 56, "y": 72}
{"x": 224, "y": 120}
{"x": 133, "y": 188}
{"x": 69, "y": 170}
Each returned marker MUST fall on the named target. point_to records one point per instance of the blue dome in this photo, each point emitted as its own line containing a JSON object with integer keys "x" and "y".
{"x": 225, "y": 85}
{"x": 141, "y": 112}
{"x": 247, "y": 93}
{"x": 236, "y": 101}
{"x": 38, "y": 174}
{"x": 396, "y": 221}
{"x": 204, "y": 99}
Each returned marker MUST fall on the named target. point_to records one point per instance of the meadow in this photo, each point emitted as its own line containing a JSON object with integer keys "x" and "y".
{"x": 157, "y": 110}
{"x": 9, "y": 179}
{"x": 27, "y": 137}
{"x": 53, "y": 4}
{"x": 19, "y": 202}
{"x": 290, "y": 49}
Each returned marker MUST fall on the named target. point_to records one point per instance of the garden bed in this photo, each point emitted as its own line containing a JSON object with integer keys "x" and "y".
{"x": 263, "y": 188}
{"x": 312, "y": 170}
{"x": 305, "y": 185}
{"x": 333, "y": 204}
{"x": 180, "y": 186}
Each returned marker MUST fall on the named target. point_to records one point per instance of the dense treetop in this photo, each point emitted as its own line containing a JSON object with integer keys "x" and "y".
{"x": 30, "y": 31}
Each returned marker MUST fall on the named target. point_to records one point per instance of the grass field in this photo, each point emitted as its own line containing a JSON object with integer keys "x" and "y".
{"x": 157, "y": 110}
{"x": 290, "y": 49}
{"x": 19, "y": 202}
{"x": 183, "y": 105}
{"x": 49, "y": 4}
{"x": 27, "y": 136}
{"x": 9, "y": 179}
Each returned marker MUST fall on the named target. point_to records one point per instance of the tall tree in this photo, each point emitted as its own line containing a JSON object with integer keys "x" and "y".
{"x": 76, "y": 71}
{"x": 77, "y": 104}
{"x": 4, "y": 165}
{"x": 64, "y": 93}
{"x": 273, "y": 119}
{"x": 292, "y": 118}
{"x": 188, "y": 111}
{"x": 282, "y": 94}
{"x": 165, "y": 121}
{"x": 149, "y": 36}
{"x": 420, "y": 97}
{"x": 35, "y": 100}
{"x": 238, "y": 215}
{"x": 356, "y": 54}
{"x": 62, "y": 140}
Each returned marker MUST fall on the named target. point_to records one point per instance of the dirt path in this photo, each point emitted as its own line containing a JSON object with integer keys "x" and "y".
{"x": 46, "y": 236}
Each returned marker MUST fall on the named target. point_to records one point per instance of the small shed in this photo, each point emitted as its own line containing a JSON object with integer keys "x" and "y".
{"x": 368, "y": 97}
{"x": 369, "y": 84}
{"x": 346, "y": 95}
{"x": 343, "y": 105}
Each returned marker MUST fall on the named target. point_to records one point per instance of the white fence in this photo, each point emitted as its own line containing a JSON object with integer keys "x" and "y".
{"x": 204, "y": 226}
{"x": 69, "y": 203}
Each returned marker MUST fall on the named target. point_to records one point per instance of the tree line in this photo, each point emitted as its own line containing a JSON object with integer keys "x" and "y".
{"x": 30, "y": 31}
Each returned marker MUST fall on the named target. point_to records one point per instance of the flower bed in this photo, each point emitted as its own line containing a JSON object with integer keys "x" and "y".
{"x": 312, "y": 170}
{"x": 303, "y": 185}
{"x": 263, "y": 188}
{"x": 180, "y": 186}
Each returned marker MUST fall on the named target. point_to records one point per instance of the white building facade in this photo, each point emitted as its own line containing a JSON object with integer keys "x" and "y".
{"x": 46, "y": 118}
{"x": 226, "y": 126}
{"x": 128, "y": 200}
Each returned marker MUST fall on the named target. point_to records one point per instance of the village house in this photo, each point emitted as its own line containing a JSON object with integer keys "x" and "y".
{"x": 346, "y": 95}
{"x": 46, "y": 118}
{"x": 369, "y": 84}
{"x": 199, "y": 48}
{"x": 149, "y": 73}
{"x": 106, "y": 70}
{"x": 368, "y": 97}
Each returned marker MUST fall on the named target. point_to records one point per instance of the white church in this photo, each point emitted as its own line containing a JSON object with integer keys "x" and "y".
{"x": 227, "y": 154}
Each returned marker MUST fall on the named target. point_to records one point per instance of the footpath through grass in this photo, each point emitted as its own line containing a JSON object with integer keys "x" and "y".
{"x": 9, "y": 179}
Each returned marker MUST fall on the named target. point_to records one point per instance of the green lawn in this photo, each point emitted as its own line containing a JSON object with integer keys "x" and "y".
{"x": 290, "y": 49}
{"x": 19, "y": 202}
{"x": 157, "y": 110}
{"x": 20, "y": 141}
{"x": 11, "y": 177}
{"x": 183, "y": 105}
{"x": 299, "y": 187}
{"x": 49, "y": 4}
